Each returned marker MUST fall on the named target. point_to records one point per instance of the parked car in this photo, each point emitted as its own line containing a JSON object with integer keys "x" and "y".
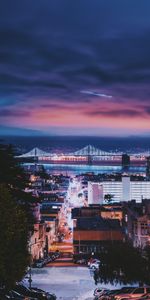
{"x": 38, "y": 263}
{"x": 100, "y": 291}
{"x": 144, "y": 297}
{"x": 13, "y": 295}
{"x": 57, "y": 254}
{"x": 47, "y": 260}
{"x": 48, "y": 295}
{"x": 133, "y": 293}
{"x": 93, "y": 261}
{"x": 81, "y": 261}
{"x": 34, "y": 292}
{"x": 108, "y": 295}
{"x": 95, "y": 265}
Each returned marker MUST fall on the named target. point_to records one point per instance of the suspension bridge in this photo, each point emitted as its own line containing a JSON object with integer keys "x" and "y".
{"x": 87, "y": 155}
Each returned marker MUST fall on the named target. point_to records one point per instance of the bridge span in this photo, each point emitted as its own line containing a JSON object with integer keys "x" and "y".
{"x": 86, "y": 155}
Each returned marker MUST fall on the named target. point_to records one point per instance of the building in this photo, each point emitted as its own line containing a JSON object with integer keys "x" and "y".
{"x": 91, "y": 231}
{"x": 51, "y": 226}
{"x": 95, "y": 193}
{"x": 91, "y": 234}
{"x": 141, "y": 230}
{"x": 121, "y": 190}
{"x": 50, "y": 216}
{"x": 37, "y": 242}
{"x": 111, "y": 211}
{"x": 137, "y": 222}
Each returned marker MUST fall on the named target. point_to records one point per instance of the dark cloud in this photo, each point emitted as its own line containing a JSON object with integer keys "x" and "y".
{"x": 33, "y": 59}
{"x": 14, "y": 113}
{"x": 54, "y": 49}
{"x": 147, "y": 110}
{"x": 54, "y": 106}
{"x": 139, "y": 111}
{"x": 115, "y": 113}
{"x": 14, "y": 81}
{"x": 6, "y": 130}
{"x": 96, "y": 45}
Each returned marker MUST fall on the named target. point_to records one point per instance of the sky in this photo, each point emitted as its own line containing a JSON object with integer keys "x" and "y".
{"x": 75, "y": 67}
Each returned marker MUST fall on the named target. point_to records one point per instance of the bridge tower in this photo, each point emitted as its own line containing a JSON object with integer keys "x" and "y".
{"x": 125, "y": 161}
{"x": 148, "y": 167}
{"x": 89, "y": 156}
{"x": 35, "y": 158}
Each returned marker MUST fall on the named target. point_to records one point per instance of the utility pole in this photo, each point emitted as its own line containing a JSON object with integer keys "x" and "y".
{"x": 30, "y": 269}
{"x": 79, "y": 243}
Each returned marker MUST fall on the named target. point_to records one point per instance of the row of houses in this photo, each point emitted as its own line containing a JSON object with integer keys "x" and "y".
{"x": 50, "y": 193}
{"x": 99, "y": 225}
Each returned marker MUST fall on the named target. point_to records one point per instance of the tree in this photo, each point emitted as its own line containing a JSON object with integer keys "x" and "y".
{"x": 14, "y": 257}
{"x": 122, "y": 263}
{"x": 16, "y": 218}
{"x": 10, "y": 171}
{"x": 14, "y": 177}
{"x": 108, "y": 198}
{"x": 146, "y": 255}
{"x": 42, "y": 173}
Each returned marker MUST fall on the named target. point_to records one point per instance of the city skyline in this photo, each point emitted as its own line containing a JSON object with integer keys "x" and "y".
{"x": 75, "y": 68}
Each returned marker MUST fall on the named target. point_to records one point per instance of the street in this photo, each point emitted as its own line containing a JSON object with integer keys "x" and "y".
{"x": 62, "y": 277}
{"x": 74, "y": 198}
{"x": 68, "y": 283}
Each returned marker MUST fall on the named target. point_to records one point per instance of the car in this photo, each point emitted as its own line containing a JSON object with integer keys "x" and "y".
{"x": 100, "y": 291}
{"x": 95, "y": 265}
{"x": 48, "y": 295}
{"x": 108, "y": 295}
{"x": 13, "y": 295}
{"x": 81, "y": 261}
{"x": 34, "y": 292}
{"x": 57, "y": 254}
{"x": 144, "y": 297}
{"x": 47, "y": 260}
{"x": 133, "y": 293}
{"x": 124, "y": 290}
{"x": 53, "y": 256}
{"x": 4, "y": 295}
{"x": 92, "y": 260}
{"x": 39, "y": 263}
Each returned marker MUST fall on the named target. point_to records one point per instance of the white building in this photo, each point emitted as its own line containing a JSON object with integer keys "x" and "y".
{"x": 124, "y": 190}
